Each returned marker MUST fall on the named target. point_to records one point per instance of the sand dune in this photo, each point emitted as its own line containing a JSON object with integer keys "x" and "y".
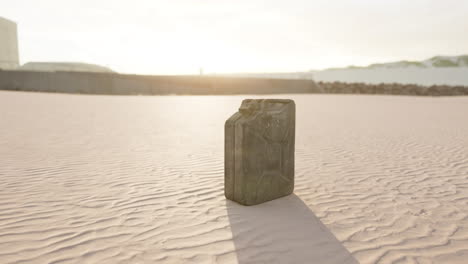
{"x": 139, "y": 179}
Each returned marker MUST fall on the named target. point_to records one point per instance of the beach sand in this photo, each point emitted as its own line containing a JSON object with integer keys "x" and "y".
{"x": 139, "y": 179}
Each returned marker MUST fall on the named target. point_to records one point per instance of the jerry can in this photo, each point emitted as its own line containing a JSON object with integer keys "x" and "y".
{"x": 259, "y": 151}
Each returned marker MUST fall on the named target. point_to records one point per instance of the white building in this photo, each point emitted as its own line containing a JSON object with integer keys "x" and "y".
{"x": 9, "y": 55}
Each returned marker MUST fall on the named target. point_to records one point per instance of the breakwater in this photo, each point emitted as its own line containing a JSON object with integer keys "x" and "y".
{"x": 392, "y": 88}
{"x": 127, "y": 84}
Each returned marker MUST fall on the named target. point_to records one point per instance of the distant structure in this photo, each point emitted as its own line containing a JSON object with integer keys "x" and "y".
{"x": 64, "y": 66}
{"x": 9, "y": 55}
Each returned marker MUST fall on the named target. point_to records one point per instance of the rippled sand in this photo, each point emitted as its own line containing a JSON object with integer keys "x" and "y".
{"x": 136, "y": 179}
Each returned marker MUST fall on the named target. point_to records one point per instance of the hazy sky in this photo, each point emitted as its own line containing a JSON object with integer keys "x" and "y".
{"x": 180, "y": 36}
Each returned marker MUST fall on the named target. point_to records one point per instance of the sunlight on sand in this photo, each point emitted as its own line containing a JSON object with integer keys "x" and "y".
{"x": 139, "y": 179}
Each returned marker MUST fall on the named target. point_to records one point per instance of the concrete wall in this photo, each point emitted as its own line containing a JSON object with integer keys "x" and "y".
{"x": 119, "y": 84}
{"x": 9, "y": 56}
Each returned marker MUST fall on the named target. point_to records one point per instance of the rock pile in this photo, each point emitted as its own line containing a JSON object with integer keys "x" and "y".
{"x": 392, "y": 88}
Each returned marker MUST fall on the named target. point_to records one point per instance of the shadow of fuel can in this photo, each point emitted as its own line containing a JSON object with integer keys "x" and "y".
{"x": 259, "y": 151}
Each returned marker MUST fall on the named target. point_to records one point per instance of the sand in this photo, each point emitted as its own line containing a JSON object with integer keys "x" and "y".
{"x": 139, "y": 179}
